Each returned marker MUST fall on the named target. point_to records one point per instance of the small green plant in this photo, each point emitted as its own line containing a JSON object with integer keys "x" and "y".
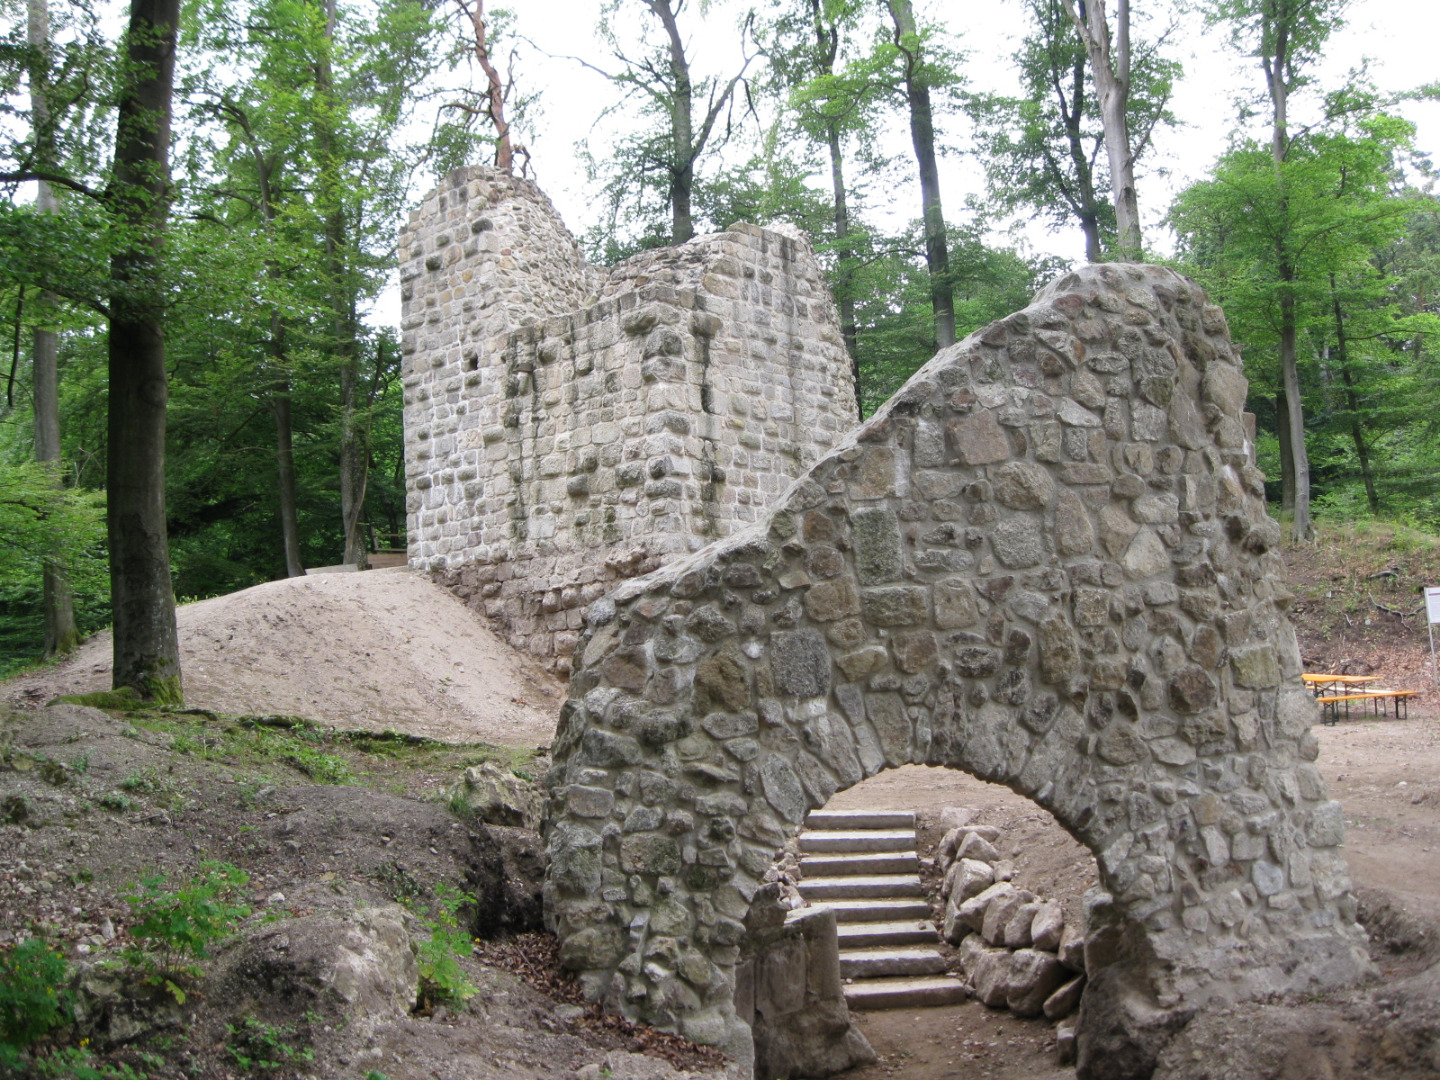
{"x": 80, "y": 764}
{"x": 78, "y": 1063}
{"x": 185, "y": 921}
{"x": 33, "y": 994}
{"x": 442, "y": 981}
{"x": 119, "y": 801}
{"x": 260, "y": 1047}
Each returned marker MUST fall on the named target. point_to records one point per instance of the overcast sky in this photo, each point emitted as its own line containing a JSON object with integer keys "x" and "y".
{"x": 1397, "y": 38}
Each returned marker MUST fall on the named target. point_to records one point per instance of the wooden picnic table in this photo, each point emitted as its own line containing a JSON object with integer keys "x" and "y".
{"x": 1330, "y": 703}
{"x": 1322, "y": 682}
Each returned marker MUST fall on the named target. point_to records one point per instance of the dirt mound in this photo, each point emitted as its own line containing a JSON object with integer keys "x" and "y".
{"x": 378, "y": 650}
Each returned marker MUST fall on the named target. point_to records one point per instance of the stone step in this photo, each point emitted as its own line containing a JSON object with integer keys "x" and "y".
{"x": 888, "y": 886}
{"x": 835, "y": 840}
{"x": 905, "y": 993}
{"x": 870, "y": 862}
{"x": 883, "y": 962}
{"x": 867, "y": 935}
{"x": 881, "y": 910}
{"x": 860, "y": 819}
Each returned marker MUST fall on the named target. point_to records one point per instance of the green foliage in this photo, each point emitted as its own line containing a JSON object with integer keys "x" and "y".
{"x": 187, "y": 920}
{"x": 1330, "y": 212}
{"x": 259, "y": 1047}
{"x": 33, "y": 996}
{"x": 78, "y": 1063}
{"x": 42, "y": 521}
{"x": 442, "y": 980}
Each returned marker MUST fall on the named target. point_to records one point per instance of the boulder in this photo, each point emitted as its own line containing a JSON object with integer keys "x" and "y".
{"x": 361, "y": 964}
{"x": 498, "y": 797}
{"x": 1017, "y": 930}
{"x": 952, "y": 817}
{"x": 1048, "y": 926}
{"x": 975, "y": 846}
{"x": 988, "y": 969}
{"x": 972, "y": 911}
{"x": 999, "y": 913}
{"x": 1034, "y": 976}
{"x": 1072, "y": 948}
{"x": 1065, "y": 1000}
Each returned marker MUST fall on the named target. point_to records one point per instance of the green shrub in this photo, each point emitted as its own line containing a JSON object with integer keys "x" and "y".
{"x": 189, "y": 919}
{"x": 442, "y": 981}
{"x": 33, "y": 994}
{"x": 78, "y": 1063}
{"x": 260, "y": 1047}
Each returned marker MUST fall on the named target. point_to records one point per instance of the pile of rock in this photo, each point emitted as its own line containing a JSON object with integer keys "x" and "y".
{"x": 1016, "y": 948}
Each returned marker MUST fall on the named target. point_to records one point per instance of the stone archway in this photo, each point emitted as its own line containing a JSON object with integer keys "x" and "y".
{"x": 1046, "y": 562}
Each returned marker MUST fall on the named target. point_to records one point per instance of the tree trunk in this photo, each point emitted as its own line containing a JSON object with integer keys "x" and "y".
{"x": 495, "y": 94}
{"x": 1112, "y": 91}
{"x": 682, "y": 131}
{"x": 844, "y": 263}
{"x": 1276, "y": 65}
{"x": 284, "y": 450}
{"x": 1287, "y": 457}
{"x": 827, "y": 42}
{"x": 61, "y": 633}
{"x": 922, "y": 138}
{"x": 1352, "y": 401}
{"x": 147, "y": 653}
{"x": 344, "y": 321}
{"x": 1088, "y": 211}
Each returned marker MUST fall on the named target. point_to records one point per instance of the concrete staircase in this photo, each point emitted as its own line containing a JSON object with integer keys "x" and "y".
{"x": 864, "y": 865}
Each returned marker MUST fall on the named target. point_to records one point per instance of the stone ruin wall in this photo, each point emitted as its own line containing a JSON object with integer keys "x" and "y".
{"x": 1046, "y": 562}
{"x": 566, "y": 428}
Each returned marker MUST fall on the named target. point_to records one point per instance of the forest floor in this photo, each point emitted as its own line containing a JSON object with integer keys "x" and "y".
{"x": 368, "y": 652}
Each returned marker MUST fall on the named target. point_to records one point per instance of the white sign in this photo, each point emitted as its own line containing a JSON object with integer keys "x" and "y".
{"x": 1432, "y": 603}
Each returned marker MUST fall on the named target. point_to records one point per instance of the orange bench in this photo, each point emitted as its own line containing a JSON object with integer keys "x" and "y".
{"x": 1330, "y": 703}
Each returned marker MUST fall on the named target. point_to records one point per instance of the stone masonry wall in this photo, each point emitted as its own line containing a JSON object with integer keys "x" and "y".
{"x": 1046, "y": 562}
{"x": 567, "y": 428}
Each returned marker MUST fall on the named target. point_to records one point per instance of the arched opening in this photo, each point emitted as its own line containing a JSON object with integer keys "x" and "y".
{"x": 1045, "y": 563}
{"x": 912, "y": 966}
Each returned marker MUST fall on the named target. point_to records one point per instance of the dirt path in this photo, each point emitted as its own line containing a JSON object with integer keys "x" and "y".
{"x": 382, "y": 649}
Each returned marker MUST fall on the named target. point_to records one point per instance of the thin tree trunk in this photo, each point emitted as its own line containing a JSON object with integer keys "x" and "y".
{"x": 147, "y": 653}
{"x": 61, "y": 632}
{"x": 1111, "y": 69}
{"x": 1088, "y": 211}
{"x": 1275, "y": 67}
{"x": 284, "y": 450}
{"x": 279, "y": 375}
{"x": 922, "y": 138}
{"x": 844, "y": 263}
{"x": 495, "y": 94}
{"x": 1287, "y": 457}
{"x": 827, "y": 41}
{"x": 1352, "y": 401}
{"x": 682, "y": 131}
{"x": 344, "y": 322}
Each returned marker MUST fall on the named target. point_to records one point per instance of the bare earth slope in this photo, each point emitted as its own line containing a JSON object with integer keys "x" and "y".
{"x": 382, "y": 649}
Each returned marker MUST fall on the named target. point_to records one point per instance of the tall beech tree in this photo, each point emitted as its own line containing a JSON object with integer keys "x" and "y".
{"x": 147, "y": 649}
{"x": 1285, "y": 36}
{"x": 1110, "y": 66}
{"x": 1043, "y": 150}
{"x": 803, "y": 45}
{"x": 688, "y": 119}
{"x": 918, "y": 76}
{"x": 61, "y": 632}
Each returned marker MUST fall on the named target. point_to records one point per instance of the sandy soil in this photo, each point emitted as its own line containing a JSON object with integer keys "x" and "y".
{"x": 382, "y": 649}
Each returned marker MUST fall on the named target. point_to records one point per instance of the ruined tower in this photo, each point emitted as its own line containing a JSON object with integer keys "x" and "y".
{"x": 568, "y": 427}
